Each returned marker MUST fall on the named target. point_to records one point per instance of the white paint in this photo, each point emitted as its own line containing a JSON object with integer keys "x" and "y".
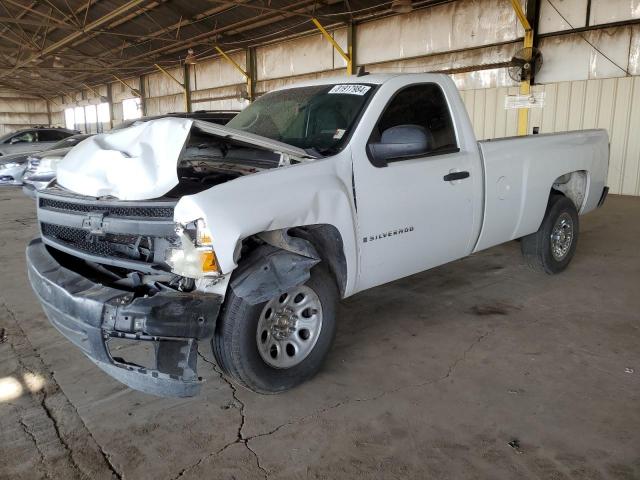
{"x": 133, "y": 163}
{"x": 519, "y": 173}
{"x": 441, "y": 221}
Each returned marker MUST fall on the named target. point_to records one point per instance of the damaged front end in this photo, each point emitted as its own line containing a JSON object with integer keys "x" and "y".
{"x": 115, "y": 272}
{"x": 102, "y": 270}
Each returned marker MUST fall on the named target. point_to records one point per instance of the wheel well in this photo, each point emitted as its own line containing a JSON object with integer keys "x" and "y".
{"x": 572, "y": 185}
{"x": 324, "y": 238}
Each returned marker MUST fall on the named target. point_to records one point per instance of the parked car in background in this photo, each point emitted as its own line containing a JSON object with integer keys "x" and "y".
{"x": 13, "y": 166}
{"x": 221, "y": 117}
{"x": 33, "y": 139}
{"x": 41, "y": 167}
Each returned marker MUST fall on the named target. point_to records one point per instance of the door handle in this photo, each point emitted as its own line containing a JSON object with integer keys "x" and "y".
{"x": 456, "y": 176}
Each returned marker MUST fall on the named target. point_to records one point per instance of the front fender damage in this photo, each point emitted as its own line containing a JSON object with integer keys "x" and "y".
{"x": 269, "y": 271}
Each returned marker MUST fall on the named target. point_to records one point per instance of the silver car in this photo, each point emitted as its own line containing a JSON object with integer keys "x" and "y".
{"x": 41, "y": 167}
{"x": 12, "y": 168}
{"x": 33, "y": 139}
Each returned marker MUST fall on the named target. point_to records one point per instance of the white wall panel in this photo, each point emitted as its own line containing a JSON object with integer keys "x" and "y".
{"x": 634, "y": 51}
{"x": 612, "y": 104}
{"x": 569, "y": 57}
{"x": 452, "y": 26}
{"x": 159, "y": 84}
{"x": 165, "y": 104}
{"x": 19, "y": 110}
{"x": 607, "y": 11}
{"x": 217, "y": 72}
{"x": 222, "y": 98}
{"x": 574, "y": 11}
{"x": 299, "y": 57}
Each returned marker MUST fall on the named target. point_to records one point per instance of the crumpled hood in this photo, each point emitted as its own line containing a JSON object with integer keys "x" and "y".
{"x": 140, "y": 162}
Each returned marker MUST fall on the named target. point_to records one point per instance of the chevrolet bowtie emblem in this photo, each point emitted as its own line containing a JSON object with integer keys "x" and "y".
{"x": 94, "y": 222}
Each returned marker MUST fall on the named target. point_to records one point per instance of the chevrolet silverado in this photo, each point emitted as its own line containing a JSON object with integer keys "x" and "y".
{"x": 175, "y": 232}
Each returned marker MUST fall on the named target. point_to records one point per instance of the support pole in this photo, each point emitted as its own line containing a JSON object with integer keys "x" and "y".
{"x": 187, "y": 87}
{"x": 143, "y": 95}
{"x": 110, "y": 101}
{"x": 331, "y": 40}
{"x": 351, "y": 49}
{"x": 49, "y": 112}
{"x": 525, "y": 85}
{"x": 252, "y": 78}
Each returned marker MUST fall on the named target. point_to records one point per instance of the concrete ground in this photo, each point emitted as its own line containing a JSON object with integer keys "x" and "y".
{"x": 479, "y": 369}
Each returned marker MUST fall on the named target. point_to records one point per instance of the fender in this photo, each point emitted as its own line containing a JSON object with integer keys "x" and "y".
{"x": 310, "y": 193}
{"x": 270, "y": 271}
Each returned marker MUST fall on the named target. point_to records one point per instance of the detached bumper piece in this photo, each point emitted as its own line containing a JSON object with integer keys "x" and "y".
{"x": 90, "y": 315}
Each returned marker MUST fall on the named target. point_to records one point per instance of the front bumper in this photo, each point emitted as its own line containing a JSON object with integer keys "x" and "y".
{"x": 12, "y": 176}
{"x": 89, "y": 314}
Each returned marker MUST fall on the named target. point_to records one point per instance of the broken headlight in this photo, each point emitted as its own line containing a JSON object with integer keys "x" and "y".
{"x": 195, "y": 257}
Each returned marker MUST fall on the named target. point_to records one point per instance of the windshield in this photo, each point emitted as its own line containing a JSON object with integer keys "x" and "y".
{"x": 319, "y": 117}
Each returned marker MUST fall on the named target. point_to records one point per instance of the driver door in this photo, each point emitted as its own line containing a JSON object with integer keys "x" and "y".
{"x": 412, "y": 213}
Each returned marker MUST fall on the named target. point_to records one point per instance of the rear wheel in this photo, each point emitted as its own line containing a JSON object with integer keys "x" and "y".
{"x": 552, "y": 247}
{"x": 278, "y": 344}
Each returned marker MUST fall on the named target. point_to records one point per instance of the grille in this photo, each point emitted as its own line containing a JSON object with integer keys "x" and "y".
{"x": 133, "y": 247}
{"x": 113, "y": 210}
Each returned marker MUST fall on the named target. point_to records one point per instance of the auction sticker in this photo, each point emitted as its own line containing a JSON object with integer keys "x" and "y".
{"x": 350, "y": 89}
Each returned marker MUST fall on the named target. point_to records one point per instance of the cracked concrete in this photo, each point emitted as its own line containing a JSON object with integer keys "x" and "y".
{"x": 430, "y": 377}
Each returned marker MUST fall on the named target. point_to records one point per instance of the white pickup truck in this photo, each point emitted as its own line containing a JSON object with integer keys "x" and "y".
{"x": 177, "y": 231}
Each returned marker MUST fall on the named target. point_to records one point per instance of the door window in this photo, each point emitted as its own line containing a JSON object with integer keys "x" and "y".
{"x": 24, "y": 137}
{"x": 426, "y": 106}
{"x": 51, "y": 135}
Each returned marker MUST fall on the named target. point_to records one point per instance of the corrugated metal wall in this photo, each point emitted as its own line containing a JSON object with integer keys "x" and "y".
{"x": 612, "y": 104}
{"x": 18, "y": 110}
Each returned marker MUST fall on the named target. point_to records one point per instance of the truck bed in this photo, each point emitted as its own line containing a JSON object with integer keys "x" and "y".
{"x": 519, "y": 170}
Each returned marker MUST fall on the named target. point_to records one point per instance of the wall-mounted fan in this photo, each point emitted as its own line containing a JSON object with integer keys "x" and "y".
{"x": 525, "y": 64}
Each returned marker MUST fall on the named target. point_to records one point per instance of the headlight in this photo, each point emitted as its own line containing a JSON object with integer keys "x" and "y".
{"x": 9, "y": 165}
{"x": 195, "y": 257}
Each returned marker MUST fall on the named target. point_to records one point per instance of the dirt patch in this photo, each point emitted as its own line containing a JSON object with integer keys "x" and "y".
{"x": 493, "y": 309}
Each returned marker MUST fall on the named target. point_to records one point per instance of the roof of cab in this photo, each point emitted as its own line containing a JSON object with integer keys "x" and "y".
{"x": 368, "y": 78}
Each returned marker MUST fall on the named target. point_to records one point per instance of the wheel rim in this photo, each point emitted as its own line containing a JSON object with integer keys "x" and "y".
{"x": 562, "y": 236}
{"x": 289, "y": 327}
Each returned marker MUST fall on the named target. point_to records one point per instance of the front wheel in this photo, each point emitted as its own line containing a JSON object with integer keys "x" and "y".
{"x": 552, "y": 247}
{"x": 279, "y": 344}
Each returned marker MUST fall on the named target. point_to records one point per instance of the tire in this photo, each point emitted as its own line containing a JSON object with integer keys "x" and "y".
{"x": 545, "y": 252}
{"x": 243, "y": 353}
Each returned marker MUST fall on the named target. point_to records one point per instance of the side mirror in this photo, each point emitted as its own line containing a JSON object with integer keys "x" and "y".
{"x": 399, "y": 142}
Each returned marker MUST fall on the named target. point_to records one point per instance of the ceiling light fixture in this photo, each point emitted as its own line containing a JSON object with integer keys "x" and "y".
{"x": 401, "y": 6}
{"x": 190, "y": 59}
